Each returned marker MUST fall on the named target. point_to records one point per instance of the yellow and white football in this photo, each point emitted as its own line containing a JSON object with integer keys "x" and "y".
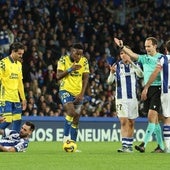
{"x": 70, "y": 146}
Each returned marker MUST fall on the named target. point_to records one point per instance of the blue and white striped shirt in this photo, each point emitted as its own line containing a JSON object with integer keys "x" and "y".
{"x": 11, "y": 138}
{"x": 164, "y": 61}
{"x": 126, "y": 81}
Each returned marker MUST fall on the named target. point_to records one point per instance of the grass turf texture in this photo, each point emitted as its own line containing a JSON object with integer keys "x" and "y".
{"x": 94, "y": 156}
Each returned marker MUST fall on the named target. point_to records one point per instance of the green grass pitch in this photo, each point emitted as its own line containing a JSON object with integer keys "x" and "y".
{"x": 94, "y": 156}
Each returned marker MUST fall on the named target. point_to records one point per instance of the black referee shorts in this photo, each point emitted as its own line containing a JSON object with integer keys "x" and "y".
{"x": 153, "y": 101}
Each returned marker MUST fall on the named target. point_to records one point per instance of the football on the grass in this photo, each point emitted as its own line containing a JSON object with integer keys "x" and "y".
{"x": 70, "y": 146}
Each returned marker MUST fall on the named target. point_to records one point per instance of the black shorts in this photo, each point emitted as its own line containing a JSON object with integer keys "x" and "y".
{"x": 153, "y": 101}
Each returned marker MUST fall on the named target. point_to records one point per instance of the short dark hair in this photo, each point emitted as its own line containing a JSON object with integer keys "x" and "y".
{"x": 16, "y": 46}
{"x": 153, "y": 39}
{"x": 31, "y": 125}
{"x": 78, "y": 46}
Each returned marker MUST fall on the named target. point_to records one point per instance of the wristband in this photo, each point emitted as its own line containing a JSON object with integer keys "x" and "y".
{"x": 69, "y": 70}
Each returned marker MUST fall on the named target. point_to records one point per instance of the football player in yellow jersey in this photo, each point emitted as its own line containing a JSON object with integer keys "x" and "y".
{"x": 73, "y": 73}
{"x": 11, "y": 87}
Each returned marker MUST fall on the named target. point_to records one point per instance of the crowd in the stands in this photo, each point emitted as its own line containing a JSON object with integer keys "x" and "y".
{"x": 49, "y": 28}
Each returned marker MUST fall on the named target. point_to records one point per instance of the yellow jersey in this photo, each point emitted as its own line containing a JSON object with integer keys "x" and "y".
{"x": 73, "y": 81}
{"x": 11, "y": 85}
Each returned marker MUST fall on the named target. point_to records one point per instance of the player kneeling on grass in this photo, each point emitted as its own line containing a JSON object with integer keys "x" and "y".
{"x": 125, "y": 73}
{"x": 12, "y": 141}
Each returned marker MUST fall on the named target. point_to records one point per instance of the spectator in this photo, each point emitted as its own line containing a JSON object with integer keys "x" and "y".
{"x": 56, "y": 25}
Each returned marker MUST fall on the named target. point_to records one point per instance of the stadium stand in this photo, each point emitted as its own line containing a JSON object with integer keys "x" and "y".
{"x": 49, "y": 28}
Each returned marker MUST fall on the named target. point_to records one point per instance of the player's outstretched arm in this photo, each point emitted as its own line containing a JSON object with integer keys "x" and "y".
{"x": 119, "y": 43}
{"x": 3, "y": 149}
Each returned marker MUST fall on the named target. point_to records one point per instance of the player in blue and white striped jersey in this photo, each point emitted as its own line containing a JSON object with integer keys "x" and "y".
{"x": 163, "y": 67}
{"x": 153, "y": 102}
{"x": 125, "y": 73}
{"x": 12, "y": 141}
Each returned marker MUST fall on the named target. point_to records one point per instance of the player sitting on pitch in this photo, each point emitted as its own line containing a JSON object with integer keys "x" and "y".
{"x": 12, "y": 141}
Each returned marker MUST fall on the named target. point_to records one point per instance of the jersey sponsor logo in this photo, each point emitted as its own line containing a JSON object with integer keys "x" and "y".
{"x": 13, "y": 76}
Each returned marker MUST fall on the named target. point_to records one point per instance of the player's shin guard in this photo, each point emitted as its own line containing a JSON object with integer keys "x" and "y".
{"x": 16, "y": 124}
{"x": 149, "y": 131}
{"x": 67, "y": 125}
{"x": 166, "y": 133}
{"x": 158, "y": 133}
{"x": 8, "y": 120}
{"x": 74, "y": 131}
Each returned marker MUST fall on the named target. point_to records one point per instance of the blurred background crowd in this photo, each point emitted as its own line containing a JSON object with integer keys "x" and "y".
{"x": 48, "y": 28}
